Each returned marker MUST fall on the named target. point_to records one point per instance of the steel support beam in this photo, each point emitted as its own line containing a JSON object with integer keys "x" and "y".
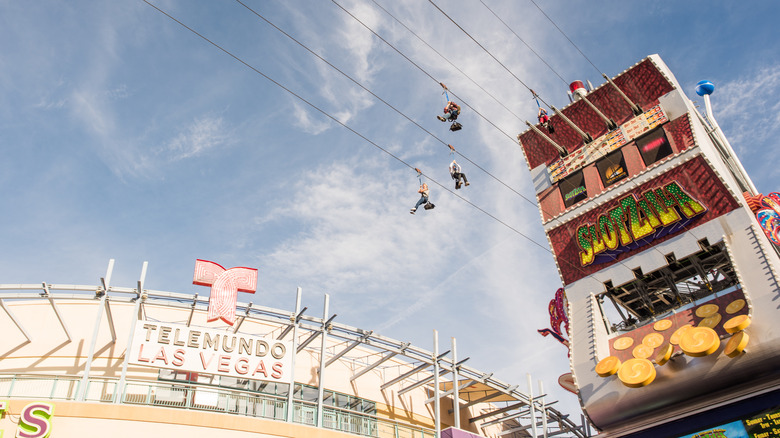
{"x": 610, "y": 123}
{"x": 351, "y": 346}
{"x": 296, "y": 316}
{"x": 634, "y": 107}
{"x": 314, "y": 334}
{"x": 507, "y": 418}
{"x": 492, "y": 395}
{"x": 192, "y": 309}
{"x": 585, "y": 137}
{"x": 110, "y": 318}
{"x": 380, "y": 361}
{"x": 404, "y": 375}
{"x": 18, "y": 324}
{"x": 323, "y": 345}
{"x": 91, "y": 356}
{"x": 498, "y": 411}
{"x": 119, "y": 396}
{"x": 243, "y": 317}
{"x": 558, "y": 147}
{"x": 294, "y": 320}
{"x": 451, "y": 391}
{"x": 47, "y": 294}
{"x": 421, "y": 382}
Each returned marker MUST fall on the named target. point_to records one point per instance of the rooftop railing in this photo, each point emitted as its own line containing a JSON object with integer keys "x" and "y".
{"x": 205, "y": 398}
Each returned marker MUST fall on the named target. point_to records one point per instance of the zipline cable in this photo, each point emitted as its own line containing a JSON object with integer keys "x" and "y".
{"x": 614, "y": 257}
{"x": 448, "y": 61}
{"x": 328, "y": 115}
{"x": 526, "y": 44}
{"x": 610, "y": 160}
{"x": 566, "y": 36}
{"x": 483, "y": 48}
{"x": 382, "y": 100}
{"x": 422, "y": 69}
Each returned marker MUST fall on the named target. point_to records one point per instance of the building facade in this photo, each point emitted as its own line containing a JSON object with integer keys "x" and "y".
{"x": 78, "y": 360}
{"x": 672, "y": 285}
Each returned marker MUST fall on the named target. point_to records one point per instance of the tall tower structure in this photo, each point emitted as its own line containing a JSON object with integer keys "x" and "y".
{"x": 672, "y": 286}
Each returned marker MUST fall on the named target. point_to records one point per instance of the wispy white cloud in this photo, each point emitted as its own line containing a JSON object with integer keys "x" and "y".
{"x": 354, "y": 226}
{"x": 312, "y": 123}
{"x": 740, "y": 102}
{"x": 197, "y": 138}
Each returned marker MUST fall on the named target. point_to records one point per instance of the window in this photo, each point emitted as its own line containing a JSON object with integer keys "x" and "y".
{"x": 654, "y": 146}
{"x": 573, "y": 189}
{"x": 612, "y": 168}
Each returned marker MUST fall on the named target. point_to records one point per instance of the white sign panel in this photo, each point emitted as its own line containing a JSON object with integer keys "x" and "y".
{"x": 195, "y": 349}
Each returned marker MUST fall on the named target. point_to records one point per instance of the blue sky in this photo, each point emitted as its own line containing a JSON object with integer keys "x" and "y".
{"x": 126, "y": 136}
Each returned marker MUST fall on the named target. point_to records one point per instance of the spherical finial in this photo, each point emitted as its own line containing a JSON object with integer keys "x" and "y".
{"x": 704, "y": 87}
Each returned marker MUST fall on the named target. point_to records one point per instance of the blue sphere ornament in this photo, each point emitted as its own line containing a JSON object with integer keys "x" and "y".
{"x": 704, "y": 87}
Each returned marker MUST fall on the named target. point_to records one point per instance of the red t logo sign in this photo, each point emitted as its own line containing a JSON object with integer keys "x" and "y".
{"x": 225, "y": 285}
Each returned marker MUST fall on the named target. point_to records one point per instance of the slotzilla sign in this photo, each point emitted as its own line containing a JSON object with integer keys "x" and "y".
{"x": 653, "y": 212}
{"x": 178, "y": 347}
{"x": 636, "y": 220}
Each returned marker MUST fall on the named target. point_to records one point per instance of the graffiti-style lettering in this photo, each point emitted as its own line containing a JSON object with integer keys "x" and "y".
{"x": 636, "y": 217}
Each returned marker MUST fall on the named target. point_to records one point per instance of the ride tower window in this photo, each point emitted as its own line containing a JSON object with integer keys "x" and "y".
{"x": 677, "y": 285}
{"x": 573, "y": 188}
{"x": 612, "y": 168}
{"x": 654, "y": 147}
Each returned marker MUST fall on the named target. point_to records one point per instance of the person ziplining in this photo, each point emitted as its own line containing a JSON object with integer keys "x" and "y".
{"x": 424, "y": 194}
{"x": 544, "y": 119}
{"x": 451, "y": 111}
{"x": 457, "y": 175}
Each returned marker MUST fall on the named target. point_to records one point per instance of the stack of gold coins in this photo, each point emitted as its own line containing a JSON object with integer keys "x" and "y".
{"x": 739, "y": 338}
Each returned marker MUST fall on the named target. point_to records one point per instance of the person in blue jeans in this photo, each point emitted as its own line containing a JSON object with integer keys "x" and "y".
{"x": 451, "y": 112}
{"x": 423, "y": 191}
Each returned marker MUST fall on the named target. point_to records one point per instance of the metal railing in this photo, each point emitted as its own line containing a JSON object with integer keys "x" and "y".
{"x": 206, "y": 398}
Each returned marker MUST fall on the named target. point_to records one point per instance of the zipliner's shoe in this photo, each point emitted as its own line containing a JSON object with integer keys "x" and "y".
{"x": 441, "y": 118}
{"x": 413, "y": 210}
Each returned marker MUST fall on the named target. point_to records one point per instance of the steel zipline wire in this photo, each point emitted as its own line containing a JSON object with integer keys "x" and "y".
{"x": 536, "y": 204}
{"x": 484, "y": 49}
{"x": 333, "y": 118}
{"x": 566, "y": 36}
{"x": 422, "y": 70}
{"x": 633, "y": 182}
{"x": 526, "y": 44}
{"x": 447, "y": 60}
{"x": 384, "y": 101}
{"x": 614, "y": 258}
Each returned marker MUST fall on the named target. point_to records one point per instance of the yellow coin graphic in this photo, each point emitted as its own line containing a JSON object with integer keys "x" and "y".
{"x": 737, "y": 323}
{"x": 699, "y": 341}
{"x": 664, "y": 354}
{"x": 735, "y": 306}
{"x": 608, "y": 366}
{"x": 706, "y": 310}
{"x": 653, "y": 340}
{"x": 636, "y": 373}
{"x": 642, "y": 351}
{"x": 675, "y": 339}
{"x": 662, "y": 325}
{"x": 736, "y": 344}
{"x": 622, "y": 343}
{"x": 711, "y": 321}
